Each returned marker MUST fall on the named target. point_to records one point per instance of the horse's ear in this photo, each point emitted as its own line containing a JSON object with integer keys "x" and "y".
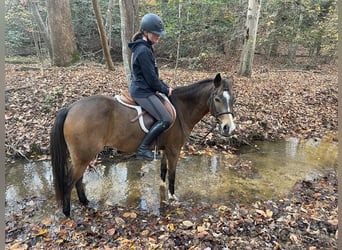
{"x": 217, "y": 80}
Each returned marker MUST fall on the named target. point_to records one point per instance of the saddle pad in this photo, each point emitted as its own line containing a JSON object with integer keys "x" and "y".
{"x": 138, "y": 109}
{"x": 126, "y": 100}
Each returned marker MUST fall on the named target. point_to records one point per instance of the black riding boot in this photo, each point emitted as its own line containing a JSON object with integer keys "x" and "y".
{"x": 144, "y": 151}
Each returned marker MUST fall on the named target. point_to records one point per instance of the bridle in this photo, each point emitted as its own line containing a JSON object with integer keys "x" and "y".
{"x": 212, "y": 107}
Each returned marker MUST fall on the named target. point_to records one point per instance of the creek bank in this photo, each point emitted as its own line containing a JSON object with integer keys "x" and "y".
{"x": 305, "y": 219}
{"x": 272, "y": 105}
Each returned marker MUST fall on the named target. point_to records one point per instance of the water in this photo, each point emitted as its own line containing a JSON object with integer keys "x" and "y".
{"x": 280, "y": 164}
{"x": 272, "y": 170}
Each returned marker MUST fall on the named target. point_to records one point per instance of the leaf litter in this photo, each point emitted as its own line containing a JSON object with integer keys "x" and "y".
{"x": 271, "y": 105}
{"x": 301, "y": 220}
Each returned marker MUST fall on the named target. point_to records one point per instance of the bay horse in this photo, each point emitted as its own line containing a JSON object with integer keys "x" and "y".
{"x": 84, "y": 128}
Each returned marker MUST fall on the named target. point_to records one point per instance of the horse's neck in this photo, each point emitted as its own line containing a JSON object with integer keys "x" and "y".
{"x": 193, "y": 108}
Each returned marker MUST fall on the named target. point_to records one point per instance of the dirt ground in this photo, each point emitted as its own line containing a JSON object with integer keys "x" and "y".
{"x": 276, "y": 103}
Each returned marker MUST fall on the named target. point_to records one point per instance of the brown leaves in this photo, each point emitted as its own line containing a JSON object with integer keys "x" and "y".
{"x": 270, "y": 105}
{"x": 33, "y": 97}
{"x": 283, "y": 104}
{"x": 266, "y": 214}
{"x": 299, "y": 220}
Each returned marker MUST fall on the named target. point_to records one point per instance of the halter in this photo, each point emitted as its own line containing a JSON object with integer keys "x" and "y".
{"x": 212, "y": 106}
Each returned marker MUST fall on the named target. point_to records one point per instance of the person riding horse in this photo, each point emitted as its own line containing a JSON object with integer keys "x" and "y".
{"x": 82, "y": 129}
{"x": 145, "y": 81}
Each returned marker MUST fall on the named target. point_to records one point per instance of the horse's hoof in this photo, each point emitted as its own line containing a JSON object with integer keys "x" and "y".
{"x": 66, "y": 213}
{"x": 172, "y": 197}
{"x": 84, "y": 202}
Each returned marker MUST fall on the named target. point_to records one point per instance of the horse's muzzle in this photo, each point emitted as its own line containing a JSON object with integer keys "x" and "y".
{"x": 227, "y": 125}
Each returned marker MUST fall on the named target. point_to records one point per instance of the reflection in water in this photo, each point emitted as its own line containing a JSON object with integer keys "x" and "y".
{"x": 281, "y": 164}
{"x": 33, "y": 178}
{"x": 199, "y": 179}
{"x": 133, "y": 183}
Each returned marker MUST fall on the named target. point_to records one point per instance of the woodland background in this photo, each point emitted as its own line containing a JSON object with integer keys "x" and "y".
{"x": 196, "y": 29}
{"x": 292, "y": 92}
{"x": 204, "y": 37}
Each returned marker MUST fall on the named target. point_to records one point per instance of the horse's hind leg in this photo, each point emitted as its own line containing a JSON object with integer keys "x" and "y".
{"x": 66, "y": 200}
{"x": 80, "y": 191}
{"x": 67, "y": 195}
{"x": 163, "y": 168}
{"x": 80, "y": 164}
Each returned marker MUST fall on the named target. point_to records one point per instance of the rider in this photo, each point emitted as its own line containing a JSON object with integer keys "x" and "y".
{"x": 145, "y": 80}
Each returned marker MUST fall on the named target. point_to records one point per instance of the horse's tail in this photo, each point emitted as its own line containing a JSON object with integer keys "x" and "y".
{"x": 59, "y": 156}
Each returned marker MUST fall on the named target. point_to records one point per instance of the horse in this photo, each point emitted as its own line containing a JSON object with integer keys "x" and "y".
{"x": 82, "y": 130}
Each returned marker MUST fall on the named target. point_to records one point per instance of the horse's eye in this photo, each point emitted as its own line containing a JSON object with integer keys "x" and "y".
{"x": 217, "y": 99}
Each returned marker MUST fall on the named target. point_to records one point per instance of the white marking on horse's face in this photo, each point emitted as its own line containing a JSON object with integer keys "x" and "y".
{"x": 227, "y": 120}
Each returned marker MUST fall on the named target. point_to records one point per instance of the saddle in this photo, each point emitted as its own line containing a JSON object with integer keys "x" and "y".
{"x": 145, "y": 119}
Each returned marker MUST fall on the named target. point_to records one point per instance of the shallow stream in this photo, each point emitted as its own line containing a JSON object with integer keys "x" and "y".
{"x": 277, "y": 166}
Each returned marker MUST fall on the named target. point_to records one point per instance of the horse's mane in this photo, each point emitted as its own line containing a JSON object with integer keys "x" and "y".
{"x": 184, "y": 97}
{"x": 191, "y": 89}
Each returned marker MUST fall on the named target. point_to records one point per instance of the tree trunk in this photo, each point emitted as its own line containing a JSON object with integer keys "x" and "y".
{"x": 180, "y": 9}
{"x": 108, "y": 25}
{"x": 293, "y": 46}
{"x": 251, "y": 29}
{"x": 103, "y": 36}
{"x": 43, "y": 29}
{"x": 62, "y": 36}
{"x": 233, "y": 44}
{"x": 129, "y": 10}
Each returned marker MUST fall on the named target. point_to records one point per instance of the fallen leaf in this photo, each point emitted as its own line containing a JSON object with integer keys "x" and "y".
{"x": 41, "y": 232}
{"x": 111, "y": 231}
{"x": 187, "y": 223}
{"x": 202, "y": 234}
{"x": 130, "y": 214}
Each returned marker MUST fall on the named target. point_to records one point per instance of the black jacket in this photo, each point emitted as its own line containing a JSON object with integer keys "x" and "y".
{"x": 144, "y": 76}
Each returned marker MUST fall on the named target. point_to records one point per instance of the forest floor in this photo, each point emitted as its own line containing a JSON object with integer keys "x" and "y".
{"x": 277, "y": 102}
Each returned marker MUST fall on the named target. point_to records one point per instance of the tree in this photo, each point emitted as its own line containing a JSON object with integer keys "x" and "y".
{"x": 42, "y": 27}
{"x": 251, "y": 29}
{"x": 108, "y": 24}
{"x": 180, "y": 6}
{"x": 103, "y": 36}
{"x": 129, "y": 24}
{"x": 62, "y": 36}
{"x": 329, "y": 31}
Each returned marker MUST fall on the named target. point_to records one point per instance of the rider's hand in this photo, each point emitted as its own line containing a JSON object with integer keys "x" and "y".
{"x": 170, "y": 91}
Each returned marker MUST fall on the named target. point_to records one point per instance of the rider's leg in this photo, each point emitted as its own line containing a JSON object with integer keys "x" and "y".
{"x": 154, "y": 106}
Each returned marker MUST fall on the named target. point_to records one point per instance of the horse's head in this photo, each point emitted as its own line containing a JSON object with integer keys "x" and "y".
{"x": 221, "y": 104}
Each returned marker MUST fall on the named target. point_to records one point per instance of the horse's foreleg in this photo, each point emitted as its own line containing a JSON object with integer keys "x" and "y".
{"x": 172, "y": 178}
{"x": 172, "y": 163}
{"x": 80, "y": 192}
{"x": 163, "y": 168}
